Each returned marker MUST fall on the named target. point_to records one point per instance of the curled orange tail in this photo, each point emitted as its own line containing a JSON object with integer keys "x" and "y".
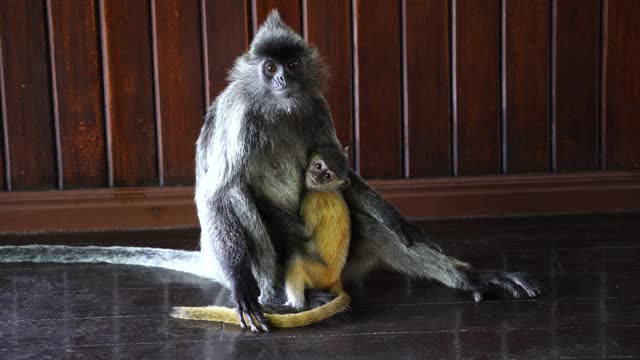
{"x": 230, "y": 316}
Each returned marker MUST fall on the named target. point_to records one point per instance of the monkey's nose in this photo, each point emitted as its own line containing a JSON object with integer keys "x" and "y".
{"x": 280, "y": 81}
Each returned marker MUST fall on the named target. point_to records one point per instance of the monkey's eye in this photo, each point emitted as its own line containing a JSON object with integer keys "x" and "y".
{"x": 293, "y": 65}
{"x": 318, "y": 166}
{"x": 328, "y": 176}
{"x": 270, "y": 68}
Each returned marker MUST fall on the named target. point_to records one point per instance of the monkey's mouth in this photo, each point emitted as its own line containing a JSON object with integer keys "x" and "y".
{"x": 283, "y": 93}
{"x": 312, "y": 182}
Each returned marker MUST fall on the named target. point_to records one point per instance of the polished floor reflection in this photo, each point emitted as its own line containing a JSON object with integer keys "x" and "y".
{"x": 590, "y": 308}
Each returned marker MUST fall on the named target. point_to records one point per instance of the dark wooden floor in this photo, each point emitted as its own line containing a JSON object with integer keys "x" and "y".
{"x": 590, "y": 307}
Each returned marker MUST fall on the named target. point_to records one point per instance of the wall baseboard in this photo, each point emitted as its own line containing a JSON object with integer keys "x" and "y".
{"x": 172, "y": 207}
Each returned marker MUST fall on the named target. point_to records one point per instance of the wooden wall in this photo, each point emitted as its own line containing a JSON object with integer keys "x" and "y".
{"x": 109, "y": 93}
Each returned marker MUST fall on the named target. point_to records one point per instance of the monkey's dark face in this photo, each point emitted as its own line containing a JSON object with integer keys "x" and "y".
{"x": 320, "y": 177}
{"x": 281, "y": 76}
{"x": 280, "y": 71}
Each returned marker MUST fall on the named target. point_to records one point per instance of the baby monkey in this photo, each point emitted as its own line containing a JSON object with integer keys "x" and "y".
{"x": 326, "y": 219}
{"x": 318, "y": 263}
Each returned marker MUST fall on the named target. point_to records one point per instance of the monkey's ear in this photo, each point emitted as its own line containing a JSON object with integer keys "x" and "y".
{"x": 346, "y": 183}
{"x": 346, "y": 151}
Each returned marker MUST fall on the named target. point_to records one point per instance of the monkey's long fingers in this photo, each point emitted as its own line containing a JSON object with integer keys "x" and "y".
{"x": 527, "y": 284}
{"x": 252, "y": 323}
{"x": 504, "y": 282}
{"x": 259, "y": 315}
{"x": 247, "y": 311}
{"x": 243, "y": 326}
{"x": 241, "y": 313}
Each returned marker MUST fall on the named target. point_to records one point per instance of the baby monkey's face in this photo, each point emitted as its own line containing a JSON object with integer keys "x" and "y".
{"x": 320, "y": 177}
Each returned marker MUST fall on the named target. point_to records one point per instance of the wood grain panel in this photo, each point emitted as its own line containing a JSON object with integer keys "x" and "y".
{"x": 476, "y": 94}
{"x": 180, "y": 100}
{"x": 427, "y": 98}
{"x": 3, "y": 176}
{"x": 577, "y": 53}
{"x": 79, "y": 88}
{"x": 289, "y": 10}
{"x": 335, "y": 48}
{"x": 27, "y": 92}
{"x": 378, "y": 88}
{"x": 3, "y": 170}
{"x": 527, "y": 85}
{"x": 622, "y": 85}
{"x": 172, "y": 207}
{"x": 129, "y": 92}
{"x": 226, "y": 37}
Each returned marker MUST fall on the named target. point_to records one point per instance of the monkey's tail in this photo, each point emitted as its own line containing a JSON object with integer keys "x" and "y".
{"x": 230, "y": 316}
{"x": 180, "y": 260}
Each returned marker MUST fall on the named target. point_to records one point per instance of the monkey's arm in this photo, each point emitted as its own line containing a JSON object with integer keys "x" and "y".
{"x": 232, "y": 230}
{"x": 233, "y": 226}
{"x": 361, "y": 197}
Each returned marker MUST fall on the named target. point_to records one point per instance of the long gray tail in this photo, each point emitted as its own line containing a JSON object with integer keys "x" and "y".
{"x": 181, "y": 260}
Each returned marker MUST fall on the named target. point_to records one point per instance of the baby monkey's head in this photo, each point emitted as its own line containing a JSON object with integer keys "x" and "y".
{"x": 328, "y": 169}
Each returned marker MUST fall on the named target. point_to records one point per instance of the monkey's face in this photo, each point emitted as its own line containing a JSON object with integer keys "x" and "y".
{"x": 282, "y": 77}
{"x": 321, "y": 178}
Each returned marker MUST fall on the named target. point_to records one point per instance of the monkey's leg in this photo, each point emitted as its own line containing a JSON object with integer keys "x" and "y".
{"x": 295, "y": 284}
{"x": 262, "y": 252}
{"x": 373, "y": 244}
{"x": 320, "y": 276}
{"x": 319, "y": 279}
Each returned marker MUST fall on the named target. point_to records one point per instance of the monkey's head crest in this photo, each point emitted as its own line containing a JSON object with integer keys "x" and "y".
{"x": 274, "y": 37}
{"x": 280, "y": 70}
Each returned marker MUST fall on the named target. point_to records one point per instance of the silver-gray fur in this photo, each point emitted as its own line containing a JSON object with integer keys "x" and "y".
{"x": 251, "y": 155}
{"x": 253, "y": 148}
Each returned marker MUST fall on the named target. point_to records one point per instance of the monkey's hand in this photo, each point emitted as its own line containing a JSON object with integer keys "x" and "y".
{"x": 516, "y": 283}
{"x": 245, "y": 296}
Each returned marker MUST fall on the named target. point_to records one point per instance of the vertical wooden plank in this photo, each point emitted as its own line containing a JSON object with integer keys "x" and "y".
{"x": 179, "y": 86}
{"x": 378, "y": 86}
{"x": 289, "y": 10}
{"x": 622, "y": 86}
{"x": 577, "y": 53}
{"x": 27, "y": 93}
{"x": 225, "y": 27}
{"x": 476, "y": 86}
{"x": 3, "y": 180}
{"x": 78, "y": 84}
{"x": 4, "y": 172}
{"x": 335, "y": 48}
{"x": 427, "y": 97}
{"x": 129, "y": 92}
{"x": 527, "y": 85}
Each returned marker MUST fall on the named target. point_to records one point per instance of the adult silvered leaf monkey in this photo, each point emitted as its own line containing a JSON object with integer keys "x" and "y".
{"x": 253, "y": 149}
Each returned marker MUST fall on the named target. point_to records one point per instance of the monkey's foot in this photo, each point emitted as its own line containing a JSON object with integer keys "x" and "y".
{"x": 247, "y": 306}
{"x": 316, "y": 298}
{"x": 296, "y": 304}
{"x": 518, "y": 284}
